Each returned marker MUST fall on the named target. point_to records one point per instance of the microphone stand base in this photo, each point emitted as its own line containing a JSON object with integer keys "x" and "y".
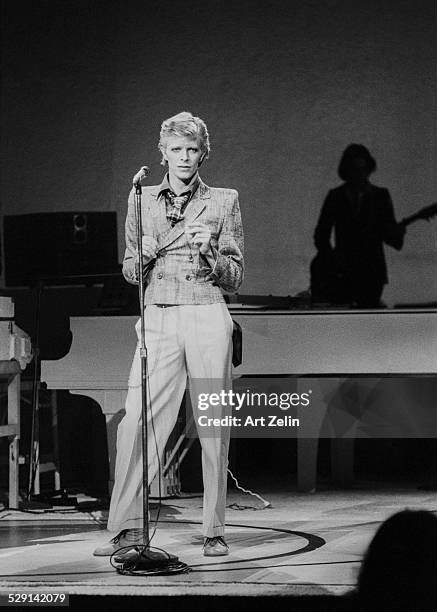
{"x": 145, "y": 561}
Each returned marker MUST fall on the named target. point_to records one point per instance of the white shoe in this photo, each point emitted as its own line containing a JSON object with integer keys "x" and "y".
{"x": 215, "y": 547}
{"x": 127, "y": 538}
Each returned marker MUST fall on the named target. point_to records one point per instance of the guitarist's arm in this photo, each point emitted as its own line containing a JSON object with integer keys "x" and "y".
{"x": 392, "y": 232}
{"x": 426, "y": 213}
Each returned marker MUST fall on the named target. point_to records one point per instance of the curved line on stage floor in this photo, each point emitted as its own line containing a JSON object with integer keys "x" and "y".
{"x": 313, "y": 542}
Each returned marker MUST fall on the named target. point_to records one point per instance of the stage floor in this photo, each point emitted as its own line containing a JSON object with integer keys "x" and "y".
{"x": 303, "y": 544}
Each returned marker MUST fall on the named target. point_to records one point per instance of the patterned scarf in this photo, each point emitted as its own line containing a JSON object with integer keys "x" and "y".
{"x": 177, "y": 205}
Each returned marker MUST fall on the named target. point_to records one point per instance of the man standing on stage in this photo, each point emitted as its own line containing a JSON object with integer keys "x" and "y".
{"x": 192, "y": 234}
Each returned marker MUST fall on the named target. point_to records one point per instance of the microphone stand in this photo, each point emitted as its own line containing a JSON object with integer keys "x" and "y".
{"x": 143, "y": 359}
{"x": 144, "y": 561}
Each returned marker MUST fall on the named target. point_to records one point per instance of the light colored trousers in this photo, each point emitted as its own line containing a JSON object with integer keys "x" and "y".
{"x": 193, "y": 340}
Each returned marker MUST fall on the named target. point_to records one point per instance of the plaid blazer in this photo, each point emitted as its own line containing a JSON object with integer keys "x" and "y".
{"x": 181, "y": 275}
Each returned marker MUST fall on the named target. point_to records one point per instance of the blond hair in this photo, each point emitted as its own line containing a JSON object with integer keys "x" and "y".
{"x": 185, "y": 124}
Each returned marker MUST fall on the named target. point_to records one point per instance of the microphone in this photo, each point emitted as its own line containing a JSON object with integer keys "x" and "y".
{"x": 141, "y": 175}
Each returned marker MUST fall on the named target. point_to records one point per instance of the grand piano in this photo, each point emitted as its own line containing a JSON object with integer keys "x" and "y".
{"x": 329, "y": 343}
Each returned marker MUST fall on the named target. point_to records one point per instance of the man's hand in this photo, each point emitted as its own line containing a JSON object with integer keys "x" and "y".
{"x": 199, "y": 235}
{"x": 149, "y": 246}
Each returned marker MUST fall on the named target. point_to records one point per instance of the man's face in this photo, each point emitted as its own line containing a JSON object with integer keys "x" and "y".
{"x": 183, "y": 155}
{"x": 359, "y": 170}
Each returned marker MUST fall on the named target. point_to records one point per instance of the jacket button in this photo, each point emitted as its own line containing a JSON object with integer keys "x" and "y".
{"x": 191, "y": 258}
{"x": 188, "y": 277}
{"x": 160, "y": 275}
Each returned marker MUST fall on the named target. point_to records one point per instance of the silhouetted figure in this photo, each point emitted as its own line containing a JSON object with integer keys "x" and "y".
{"x": 361, "y": 216}
{"x": 399, "y": 570}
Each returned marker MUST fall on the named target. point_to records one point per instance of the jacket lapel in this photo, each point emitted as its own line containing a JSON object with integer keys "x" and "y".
{"x": 198, "y": 203}
{"x": 158, "y": 213}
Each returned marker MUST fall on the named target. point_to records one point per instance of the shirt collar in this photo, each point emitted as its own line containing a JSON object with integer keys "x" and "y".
{"x": 191, "y": 188}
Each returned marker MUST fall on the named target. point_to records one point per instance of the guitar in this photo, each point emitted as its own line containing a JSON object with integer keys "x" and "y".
{"x": 427, "y": 213}
{"x": 326, "y": 271}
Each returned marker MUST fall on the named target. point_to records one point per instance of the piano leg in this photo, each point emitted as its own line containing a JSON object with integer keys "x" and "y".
{"x": 342, "y": 462}
{"x": 112, "y": 404}
{"x": 14, "y": 419}
{"x": 307, "y": 447}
